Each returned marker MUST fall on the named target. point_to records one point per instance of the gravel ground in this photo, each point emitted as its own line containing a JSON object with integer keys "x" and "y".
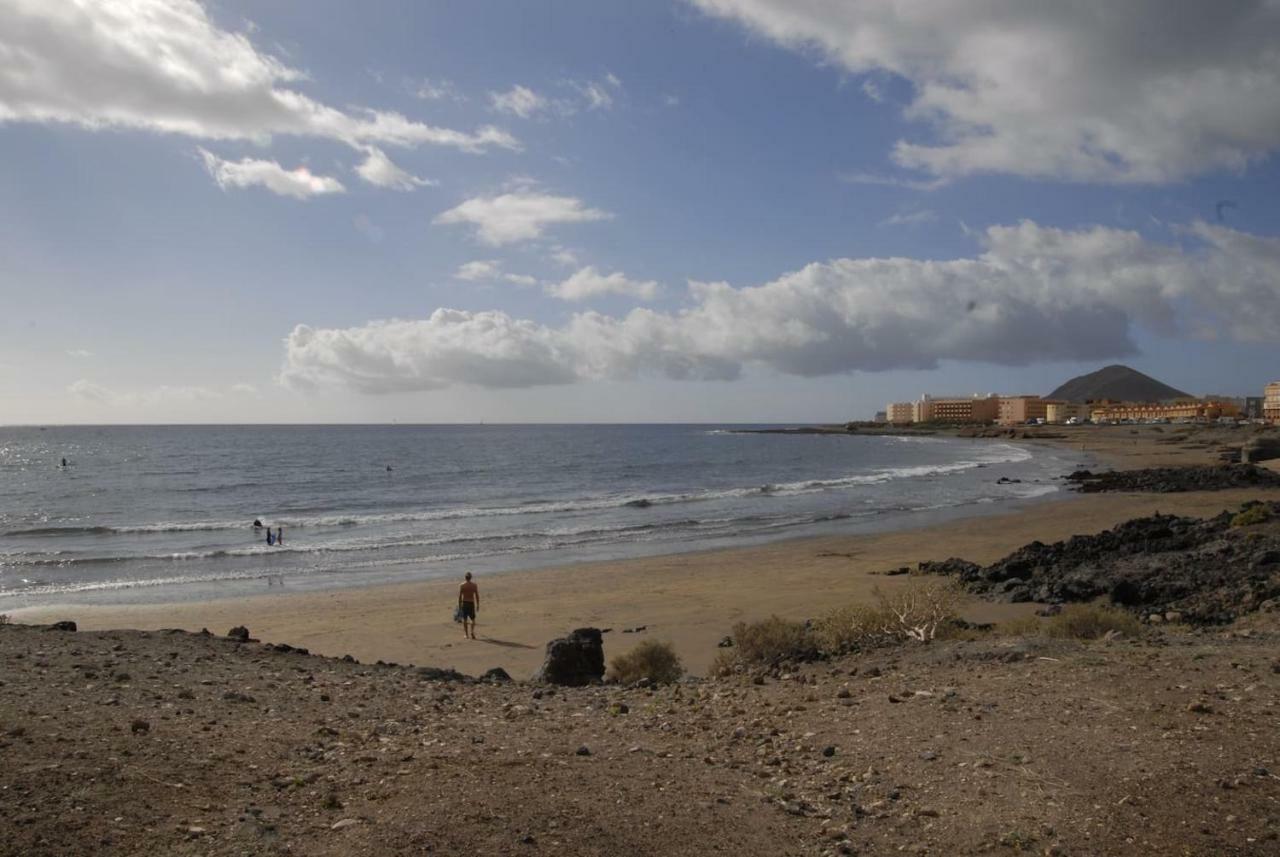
{"x": 173, "y": 743}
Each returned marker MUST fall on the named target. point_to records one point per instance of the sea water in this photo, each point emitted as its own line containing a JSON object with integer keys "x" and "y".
{"x": 165, "y": 513}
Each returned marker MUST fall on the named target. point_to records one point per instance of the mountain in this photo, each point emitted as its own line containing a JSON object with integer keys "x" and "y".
{"x": 1119, "y": 383}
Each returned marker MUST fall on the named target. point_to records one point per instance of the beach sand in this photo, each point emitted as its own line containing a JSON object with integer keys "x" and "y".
{"x": 690, "y": 599}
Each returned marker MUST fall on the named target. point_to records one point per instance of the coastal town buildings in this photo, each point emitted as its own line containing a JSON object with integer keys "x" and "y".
{"x": 1188, "y": 409}
{"x": 1271, "y": 402}
{"x": 1017, "y": 410}
{"x": 1060, "y": 412}
{"x": 899, "y": 412}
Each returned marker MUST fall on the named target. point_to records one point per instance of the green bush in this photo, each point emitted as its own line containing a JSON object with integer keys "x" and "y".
{"x": 651, "y": 659}
{"x": 1255, "y": 514}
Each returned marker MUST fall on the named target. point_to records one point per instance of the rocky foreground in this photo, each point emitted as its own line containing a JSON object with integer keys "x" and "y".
{"x": 1200, "y": 571}
{"x": 173, "y": 743}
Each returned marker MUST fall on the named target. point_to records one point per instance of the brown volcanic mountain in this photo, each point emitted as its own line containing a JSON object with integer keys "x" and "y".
{"x": 1119, "y": 383}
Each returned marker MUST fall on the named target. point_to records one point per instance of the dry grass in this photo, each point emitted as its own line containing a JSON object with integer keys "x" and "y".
{"x": 1078, "y": 622}
{"x": 921, "y": 611}
{"x": 652, "y": 659}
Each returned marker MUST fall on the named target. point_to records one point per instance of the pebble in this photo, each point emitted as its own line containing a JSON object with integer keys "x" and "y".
{"x": 346, "y": 822}
{"x": 584, "y": 750}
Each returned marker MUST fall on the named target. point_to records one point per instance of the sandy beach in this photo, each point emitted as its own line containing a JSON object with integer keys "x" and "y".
{"x": 690, "y": 599}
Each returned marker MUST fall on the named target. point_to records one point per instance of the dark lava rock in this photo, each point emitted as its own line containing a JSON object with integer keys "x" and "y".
{"x": 64, "y": 625}
{"x": 1167, "y": 480}
{"x": 1261, "y": 449}
{"x": 575, "y": 660}
{"x": 497, "y": 675}
{"x": 139, "y": 727}
{"x": 438, "y": 674}
{"x": 725, "y": 643}
{"x": 239, "y": 632}
{"x": 1204, "y": 569}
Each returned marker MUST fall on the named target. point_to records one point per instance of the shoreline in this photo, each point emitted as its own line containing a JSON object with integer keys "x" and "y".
{"x": 691, "y": 599}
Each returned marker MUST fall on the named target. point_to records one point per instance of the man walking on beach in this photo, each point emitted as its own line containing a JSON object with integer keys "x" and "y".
{"x": 469, "y": 605}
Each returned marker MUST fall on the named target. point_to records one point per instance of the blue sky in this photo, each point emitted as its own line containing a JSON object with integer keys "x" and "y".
{"x": 700, "y": 210}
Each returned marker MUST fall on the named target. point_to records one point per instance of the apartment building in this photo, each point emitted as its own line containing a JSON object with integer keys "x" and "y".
{"x": 1189, "y": 409}
{"x": 1060, "y": 412}
{"x": 1017, "y": 410}
{"x": 1271, "y": 402}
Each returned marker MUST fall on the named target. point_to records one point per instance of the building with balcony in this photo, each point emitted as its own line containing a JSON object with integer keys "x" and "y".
{"x": 1196, "y": 410}
{"x": 1271, "y": 402}
{"x": 1017, "y": 410}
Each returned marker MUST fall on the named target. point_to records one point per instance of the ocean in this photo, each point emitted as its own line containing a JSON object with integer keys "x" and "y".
{"x": 164, "y": 513}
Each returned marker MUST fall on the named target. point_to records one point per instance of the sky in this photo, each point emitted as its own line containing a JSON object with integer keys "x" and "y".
{"x": 610, "y": 211}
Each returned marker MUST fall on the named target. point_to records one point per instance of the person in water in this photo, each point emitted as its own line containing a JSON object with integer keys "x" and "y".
{"x": 64, "y": 463}
{"x": 271, "y": 537}
{"x": 257, "y": 523}
{"x": 279, "y": 535}
{"x": 469, "y": 605}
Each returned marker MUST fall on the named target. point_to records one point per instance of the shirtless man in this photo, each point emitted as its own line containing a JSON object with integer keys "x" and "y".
{"x": 469, "y": 604}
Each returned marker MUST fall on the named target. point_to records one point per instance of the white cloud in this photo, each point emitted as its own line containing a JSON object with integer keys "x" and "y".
{"x": 378, "y": 169}
{"x": 164, "y": 394}
{"x": 520, "y": 215}
{"x": 519, "y": 101}
{"x": 598, "y": 94}
{"x": 1034, "y": 294}
{"x": 247, "y": 172}
{"x": 1141, "y": 91}
{"x": 165, "y": 66}
{"x": 910, "y": 218}
{"x": 489, "y": 270}
{"x": 564, "y": 256}
{"x": 588, "y": 283}
{"x": 437, "y": 90}
{"x": 245, "y": 390}
{"x": 79, "y": 353}
{"x": 481, "y": 269}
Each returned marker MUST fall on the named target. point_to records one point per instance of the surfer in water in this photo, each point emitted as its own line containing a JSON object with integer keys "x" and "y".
{"x": 257, "y": 523}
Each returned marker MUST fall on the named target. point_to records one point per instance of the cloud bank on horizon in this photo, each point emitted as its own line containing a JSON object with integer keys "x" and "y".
{"x": 1035, "y": 294}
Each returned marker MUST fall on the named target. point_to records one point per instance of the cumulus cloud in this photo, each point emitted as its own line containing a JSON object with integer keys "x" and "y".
{"x": 1033, "y": 294}
{"x": 165, "y": 66}
{"x": 1142, "y": 91}
{"x": 377, "y": 169}
{"x": 520, "y": 215}
{"x": 480, "y": 269}
{"x": 519, "y": 101}
{"x": 300, "y": 183}
{"x": 490, "y": 270}
{"x": 587, "y": 283}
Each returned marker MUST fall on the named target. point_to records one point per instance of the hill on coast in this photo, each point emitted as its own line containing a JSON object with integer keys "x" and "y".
{"x": 1118, "y": 383}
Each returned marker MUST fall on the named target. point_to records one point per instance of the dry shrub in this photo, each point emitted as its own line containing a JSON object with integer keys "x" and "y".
{"x": 1078, "y": 622}
{"x": 1255, "y": 514}
{"x": 772, "y": 641}
{"x": 919, "y": 611}
{"x": 852, "y": 628}
{"x": 652, "y": 659}
{"x": 4, "y": 618}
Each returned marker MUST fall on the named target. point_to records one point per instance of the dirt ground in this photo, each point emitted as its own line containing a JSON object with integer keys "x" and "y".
{"x": 170, "y": 743}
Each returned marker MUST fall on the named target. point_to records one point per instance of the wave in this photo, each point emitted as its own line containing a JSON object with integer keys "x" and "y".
{"x": 996, "y": 454}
